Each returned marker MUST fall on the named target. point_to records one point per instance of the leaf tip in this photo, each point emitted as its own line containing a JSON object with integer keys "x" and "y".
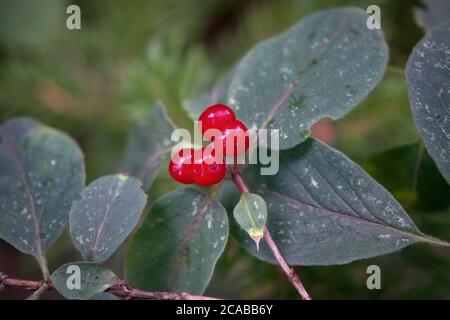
{"x": 256, "y": 236}
{"x": 435, "y": 241}
{"x": 257, "y": 239}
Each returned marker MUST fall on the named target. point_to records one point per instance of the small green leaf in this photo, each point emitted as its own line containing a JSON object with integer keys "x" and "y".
{"x": 81, "y": 280}
{"x": 428, "y": 77}
{"x": 177, "y": 247}
{"x": 148, "y": 144}
{"x": 323, "y": 66}
{"x": 41, "y": 174}
{"x": 251, "y": 215}
{"x": 109, "y": 209}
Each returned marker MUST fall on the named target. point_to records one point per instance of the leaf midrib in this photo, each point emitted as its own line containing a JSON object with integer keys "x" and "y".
{"x": 30, "y": 193}
{"x": 199, "y": 218}
{"x": 249, "y": 212}
{"x": 94, "y": 247}
{"x": 298, "y": 203}
{"x": 275, "y": 109}
{"x": 151, "y": 159}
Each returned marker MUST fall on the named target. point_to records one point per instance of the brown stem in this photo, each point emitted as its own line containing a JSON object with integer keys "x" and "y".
{"x": 136, "y": 293}
{"x": 36, "y": 295}
{"x": 290, "y": 273}
{"x": 237, "y": 179}
{"x": 292, "y": 276}
{"x": 122, "y": 289}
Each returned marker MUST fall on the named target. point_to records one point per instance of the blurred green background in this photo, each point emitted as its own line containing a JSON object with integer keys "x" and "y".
{"x": 95, "y": 82}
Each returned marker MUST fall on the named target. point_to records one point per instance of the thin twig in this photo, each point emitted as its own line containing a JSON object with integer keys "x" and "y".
{"x": 290, "y": 273}
{"x": 122, "y": 289}
{"x": 37, "y": 294}
{"x": 239, "y": 182}
{"x": 292, "y": 276}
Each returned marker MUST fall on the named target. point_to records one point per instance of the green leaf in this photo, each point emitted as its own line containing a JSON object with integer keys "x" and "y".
{"x": 428, "y": 78}
{"x": 433, "y": 13}
{"x": 41, "y": 174}
{"x": 323, "y": 209}
{"x": 148, "y": 144}
{"x": 178, "y": 245}
{"x": 109, "y": 209}
{"x": 321, "y": 67}
{"x": 81, "y": 280}
{"x": 412, "y": 176}
{"x": 251, "y": 215}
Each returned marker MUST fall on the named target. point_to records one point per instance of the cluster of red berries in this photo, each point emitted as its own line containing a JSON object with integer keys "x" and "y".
{"x": 200, "y": 166}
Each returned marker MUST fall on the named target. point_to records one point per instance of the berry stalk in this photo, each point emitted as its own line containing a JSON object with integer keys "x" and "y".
{"x": 293, "y": 278}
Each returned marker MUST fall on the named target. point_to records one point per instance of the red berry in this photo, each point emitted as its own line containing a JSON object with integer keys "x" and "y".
{"x": 236, "y": 132}
{"x": 216, "y": 115}
{"x": 180, "y": 168}
{"x": 207, "y": 171}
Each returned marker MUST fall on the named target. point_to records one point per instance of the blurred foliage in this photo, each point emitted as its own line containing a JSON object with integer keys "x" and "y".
{"x": 411, "y": 176}
{"x": 95, "y": 82}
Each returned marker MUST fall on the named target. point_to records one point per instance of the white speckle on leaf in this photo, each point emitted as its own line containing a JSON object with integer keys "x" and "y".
{"x": 314, "y": 183}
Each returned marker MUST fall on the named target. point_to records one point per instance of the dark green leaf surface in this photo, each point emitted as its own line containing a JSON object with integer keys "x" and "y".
{"x": 109, "y": 209}
{"x": 323, "y": 209}
{"x": 93, "y": 279}
{"x": 41, "y": 174}
{"x": 433, "y": 13}
{"x": 177, "y": 247}
{"x": 321, "y": 67}
{"x": 428, "y": 78}
{"x": 148, "y": 144}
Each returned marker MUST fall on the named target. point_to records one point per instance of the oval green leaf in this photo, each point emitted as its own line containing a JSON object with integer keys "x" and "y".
{"x": 109, "y": 209}
{"x": 323, "y": 209}
{"x": 251, "y": 215}
{"x": 41, "y": 174}
{"x": 81, "y": 280}
{"x": 428, "y": 78}
{"x": 178, "y": 245}
{"x": 321, "y": 67}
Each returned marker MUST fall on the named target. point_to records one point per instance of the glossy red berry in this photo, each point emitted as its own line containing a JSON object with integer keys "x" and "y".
{"x": 207, "y": 170}
{"x": 215, "y": 116}
{"x": 181, "y": 167}
{"x": 238, "y": 133}
{"x": 202, "y": 167}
